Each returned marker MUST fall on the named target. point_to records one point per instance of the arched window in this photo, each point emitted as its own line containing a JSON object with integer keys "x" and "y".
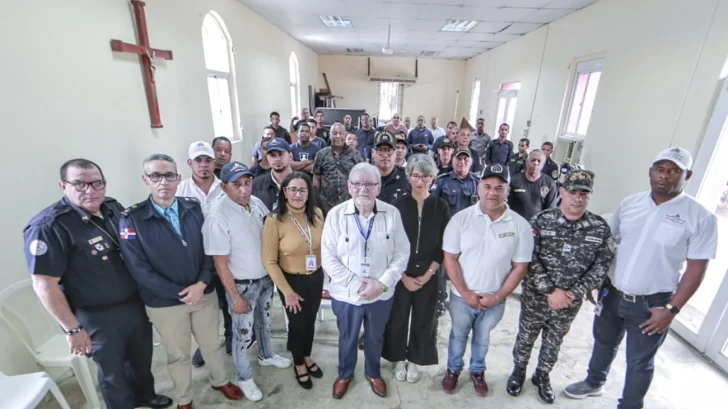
{"x": 295, "y": 80}
{"x": 220, "y": 64}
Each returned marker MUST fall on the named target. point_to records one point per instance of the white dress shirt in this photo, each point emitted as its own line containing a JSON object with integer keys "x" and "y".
{"x": 230, "y": 230}
{"x": 342, "y": 250}
{"x": 437, "y": 132}
{"x": 654, "y": 241}
{"x": 188, "y": 188}
{"x": 487, "y": 248}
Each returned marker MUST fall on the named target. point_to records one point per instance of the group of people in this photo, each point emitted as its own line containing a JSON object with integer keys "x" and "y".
{"x": 381, "y": 236}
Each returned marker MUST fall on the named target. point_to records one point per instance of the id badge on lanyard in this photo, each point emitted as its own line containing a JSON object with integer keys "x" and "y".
{"x": 311, "y": 264}
{"x": 366, "y": 261}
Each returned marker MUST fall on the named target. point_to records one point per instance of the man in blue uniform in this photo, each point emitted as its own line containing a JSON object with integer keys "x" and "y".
{"x": 72, "y": 252}
{"x": 458, "y": 188}
{"x": 161, "y": 240}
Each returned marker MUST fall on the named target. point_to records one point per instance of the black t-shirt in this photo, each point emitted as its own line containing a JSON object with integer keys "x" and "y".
{"x": 217, "y": 172}
{"x": 323, "y": 134}
{"x": 551, "y": 168}
{"x": 282, "y": 132}
{"x": 394, "y": 185}
{"x": 530, "y": 198}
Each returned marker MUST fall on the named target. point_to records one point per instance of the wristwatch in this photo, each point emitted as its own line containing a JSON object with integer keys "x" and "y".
{"x": 384, "y": 287}
{"x": 73, "y": 331}
{"x": 673, "y": 309}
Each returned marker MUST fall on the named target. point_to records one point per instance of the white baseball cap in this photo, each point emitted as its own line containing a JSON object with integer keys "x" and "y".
{"x": 200, "y": 148}
{"x": 677, "y": 155}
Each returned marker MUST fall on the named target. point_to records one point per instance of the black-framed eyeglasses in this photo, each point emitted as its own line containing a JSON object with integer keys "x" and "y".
{"x": 81, "y": 186}
{"x": 421, "y": 178}
{"x": 384, "y": 151}
{"x": 297, "y": 191}
{"x": 157, "y": 177}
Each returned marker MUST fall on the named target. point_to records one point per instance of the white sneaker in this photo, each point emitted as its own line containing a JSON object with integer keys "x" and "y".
{"x": 413, "y": 374}
{"x": 251, "y": 390}
{"x": 276, "y": 360}
{"x": 400, "y": 371}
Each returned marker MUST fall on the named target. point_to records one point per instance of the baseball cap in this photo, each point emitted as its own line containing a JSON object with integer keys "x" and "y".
{"x": 462, "y": 149}
{"x": 234, "y": 171}
{"x": 496, "y": 170}
{"x": 677, "y": 155}
{"x": 445, "y": 142}
{"x": 279, "y": 145}
{"x": 579, "y": 179}
{"x": 401, "y": 138}
{"x": 200, "y": 148}
{"x": 384, "y": 137}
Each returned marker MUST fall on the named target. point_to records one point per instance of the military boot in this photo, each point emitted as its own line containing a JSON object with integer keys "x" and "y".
{"x": 543, "y": 382}
{"x": 515, "y": 381}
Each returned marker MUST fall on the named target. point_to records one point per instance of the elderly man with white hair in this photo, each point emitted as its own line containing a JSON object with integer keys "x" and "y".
{"x": 364, "y": 250}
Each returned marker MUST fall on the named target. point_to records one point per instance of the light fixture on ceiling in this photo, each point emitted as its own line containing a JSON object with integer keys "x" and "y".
{"x": 387, "y": 49}
{"x": 336, "y": 21}
{"x": 459, "y": 26}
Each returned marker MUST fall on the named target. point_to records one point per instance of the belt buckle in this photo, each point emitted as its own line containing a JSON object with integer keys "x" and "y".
{"x": 629, "y": 297}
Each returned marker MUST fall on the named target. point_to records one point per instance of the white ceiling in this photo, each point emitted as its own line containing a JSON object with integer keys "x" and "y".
{"x": 416, "y": 24}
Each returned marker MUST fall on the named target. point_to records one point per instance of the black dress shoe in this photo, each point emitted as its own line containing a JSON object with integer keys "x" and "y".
{"x": 318, "y": 373}
{"x": 542, "y": 381}
{"x": 197, "y": 360}
{"x": 157, "y": 402}
{"x": 307, "y": 384}
{"x": 515, "y": 381}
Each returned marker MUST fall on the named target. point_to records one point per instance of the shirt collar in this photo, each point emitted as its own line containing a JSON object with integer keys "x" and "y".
{"x": 351, "y": 209}
{"x": 86, "y": 216}
{"x": 675, "y": 199}
{"x": 578, "y": 224}
{"x": 174, "y": 208}
{"x": 505, "y": 217}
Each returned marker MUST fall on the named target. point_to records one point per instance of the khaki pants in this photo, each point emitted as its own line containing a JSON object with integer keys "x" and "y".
{"x": 176, "y": 325}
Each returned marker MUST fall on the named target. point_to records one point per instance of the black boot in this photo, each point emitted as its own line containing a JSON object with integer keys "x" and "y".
{"x": 542, "y": 381}
{"x": 515, "y": 381}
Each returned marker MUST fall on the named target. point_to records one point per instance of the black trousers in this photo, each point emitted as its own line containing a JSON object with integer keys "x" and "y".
{"x": 421, "y": 347}
{"x": 302, "y": 326}
{"x": 222, "y": 300}
{"x": 121, "y": 337}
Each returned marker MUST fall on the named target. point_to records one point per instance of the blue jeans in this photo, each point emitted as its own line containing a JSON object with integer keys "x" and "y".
{"x": 481, "y": 322}
{"x": 259, "y": 296}
{"x": 349, "y": 318}
{"x": 617, "y": 318}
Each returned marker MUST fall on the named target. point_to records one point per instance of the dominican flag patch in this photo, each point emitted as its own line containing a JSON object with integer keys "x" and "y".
{"x": 127, "y": 234}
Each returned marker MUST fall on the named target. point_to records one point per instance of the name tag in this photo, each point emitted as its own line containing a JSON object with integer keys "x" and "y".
{"x": 507, "y": 234}
{"x": 593, "y": 239}
{"x": 519, "y": 190}
{"x": 95, "y": 240}
{"x": 548, "y": 233}
{"x": 311, "y": 262}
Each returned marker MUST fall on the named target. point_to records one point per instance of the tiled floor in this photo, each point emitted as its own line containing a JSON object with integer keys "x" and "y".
{"x": 683, "y": 379}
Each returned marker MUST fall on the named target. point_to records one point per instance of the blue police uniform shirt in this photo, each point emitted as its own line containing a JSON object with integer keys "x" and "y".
{"x": 170, "y": 214}
{"x": 301, "y": 153}
{"x": 65, "y": 241}
{"x": 458, "y": 193}
{"x": 163, "y": 261}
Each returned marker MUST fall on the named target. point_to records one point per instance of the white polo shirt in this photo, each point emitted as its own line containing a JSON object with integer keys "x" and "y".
{"x": 342, "y": 250}
{"x": 231, "y": 230}
{"x": 486, "y": 247}
{"x": 188, "y": 188}
{"x": 654, "y": 241}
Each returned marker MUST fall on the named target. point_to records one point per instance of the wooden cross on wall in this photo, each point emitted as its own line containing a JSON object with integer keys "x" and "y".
{"x": 147, "y": 55}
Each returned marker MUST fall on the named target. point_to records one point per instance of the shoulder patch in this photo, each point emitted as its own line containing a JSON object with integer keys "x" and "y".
{"x": 133, "y": 208}
{"x": 612, "y": 245}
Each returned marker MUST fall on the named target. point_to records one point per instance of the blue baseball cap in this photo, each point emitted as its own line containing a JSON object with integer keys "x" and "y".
{"x": 234, "y": 171}
{"x": 278, "y": 144}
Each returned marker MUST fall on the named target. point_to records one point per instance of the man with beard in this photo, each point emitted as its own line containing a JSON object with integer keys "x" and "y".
{"x": 531, "y": 193}
{"x": 665, "y": 239}
{"x": 304, "y": 152}
{"x": 267, "y": 186}
{"x": 332, "y": 166}
{"x": 223, "y": 153}
{"x": 573, "y": 251}
{"x": 518, "y": 161}
{"x": 203, "y": 185}
{"x": 444, "y": 157}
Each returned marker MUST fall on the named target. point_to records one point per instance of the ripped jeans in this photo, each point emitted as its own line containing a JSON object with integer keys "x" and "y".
{"x": 259, "y": 295}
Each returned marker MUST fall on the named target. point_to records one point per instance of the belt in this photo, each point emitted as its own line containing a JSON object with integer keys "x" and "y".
{"x": 637, "y": 298}
{"x": 248, "y": 281}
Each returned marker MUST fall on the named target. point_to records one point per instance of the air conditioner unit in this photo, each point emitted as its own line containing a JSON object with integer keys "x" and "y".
{"x": 401, "y": 80}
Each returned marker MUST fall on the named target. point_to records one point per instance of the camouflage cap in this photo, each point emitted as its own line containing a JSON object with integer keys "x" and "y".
{"x": 579, "y": 180}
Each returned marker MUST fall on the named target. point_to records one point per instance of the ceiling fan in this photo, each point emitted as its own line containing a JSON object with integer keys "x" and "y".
{"x": 387, "y": 49}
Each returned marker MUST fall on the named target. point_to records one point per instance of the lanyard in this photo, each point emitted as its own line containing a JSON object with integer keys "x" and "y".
{"x": 307, "y": 237}
{"x": 361, "y": 231}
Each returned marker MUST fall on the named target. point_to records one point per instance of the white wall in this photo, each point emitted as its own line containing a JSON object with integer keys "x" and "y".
{"x": 65, "y": 94}
{"x": 650, "y": 48}
{"x": 434, "y": 94}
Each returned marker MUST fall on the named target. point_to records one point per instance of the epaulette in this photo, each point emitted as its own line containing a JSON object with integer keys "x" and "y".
{"x": 190, "y": 199}
{"x": 50, "y": 213}
{"x": 133, "y": 208}
{"x": 444, "y": 174}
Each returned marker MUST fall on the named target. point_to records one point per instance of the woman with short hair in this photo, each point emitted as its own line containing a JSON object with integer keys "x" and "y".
{"x": 411, "y": 333}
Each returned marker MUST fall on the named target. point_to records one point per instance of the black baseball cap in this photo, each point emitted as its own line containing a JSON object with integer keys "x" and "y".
{"x": 384, "y": 137}
{"x": 445, "y": 142}
{"x": 462, "y": 149}
{"x": 497, "y": 170}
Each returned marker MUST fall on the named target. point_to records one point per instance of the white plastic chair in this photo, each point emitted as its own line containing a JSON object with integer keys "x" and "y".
{"x": 22, "y": 312}
{"x": 26, "y": 391}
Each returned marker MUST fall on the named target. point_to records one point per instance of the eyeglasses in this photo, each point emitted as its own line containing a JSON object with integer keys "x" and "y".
{"x": 157, "y": 177}
{"x": 297, "y": 191}
{"x": 83, "y": 186}
{"x": 421, "y": 178}
{"x": 365, "y": 185}
{"x": 384, "y": 151}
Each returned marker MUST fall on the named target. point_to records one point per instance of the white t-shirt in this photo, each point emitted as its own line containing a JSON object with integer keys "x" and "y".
{"x": 231, "y": 230}
{"x": 654, "y": 241}
{"x": 188, "y": 188}
{"x": 486, "y": 247}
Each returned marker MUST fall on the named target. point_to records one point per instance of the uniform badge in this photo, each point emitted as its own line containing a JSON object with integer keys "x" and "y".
{"x": 544, "y": 191}
{"x": 99, "y": 247}
{"x": 612, "y": 245}
{"x": 127, "y": 234}
{"x": 38, "y": 247}
{"x": 555, "y": 174}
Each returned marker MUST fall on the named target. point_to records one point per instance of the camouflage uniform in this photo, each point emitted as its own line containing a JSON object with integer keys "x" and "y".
{"x": 572, "y": 256}
{"x": 334, "y": 171}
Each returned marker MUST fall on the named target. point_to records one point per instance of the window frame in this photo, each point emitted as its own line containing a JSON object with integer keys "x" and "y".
{"x": 295, "y": 86}
{"x": 399, "y": 102}
{"x": 588, "y": 66}
{"x": 236, "y": 124}
{"x": 474, "y": 100}
{"x": 508, "y": 90}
